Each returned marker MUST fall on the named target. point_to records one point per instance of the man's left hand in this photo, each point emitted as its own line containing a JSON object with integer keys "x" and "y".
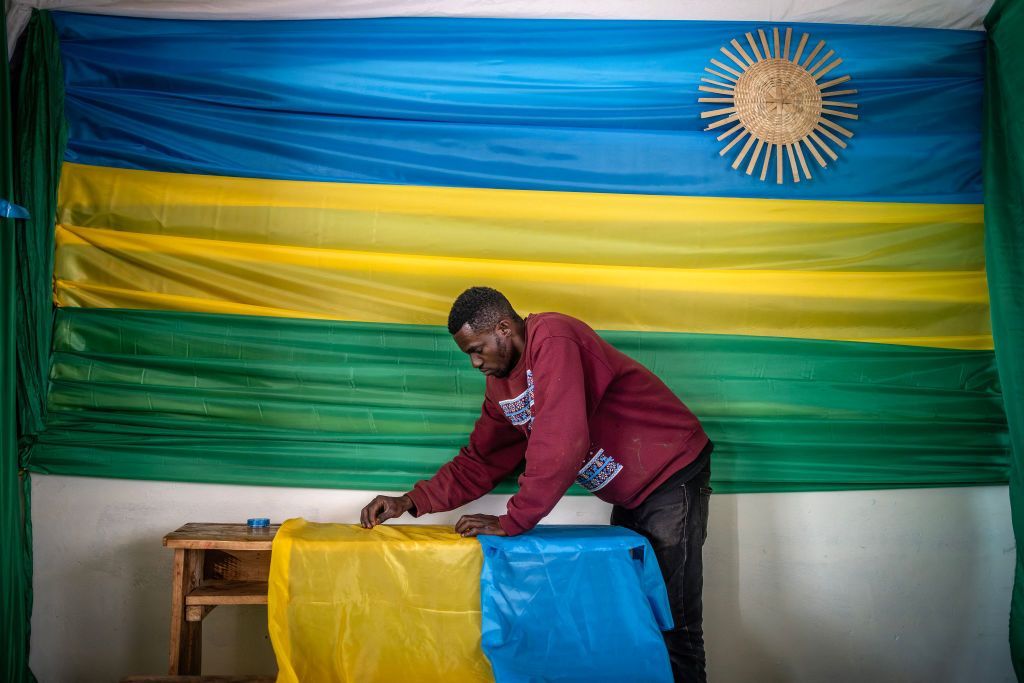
{"x": 479, "y": 525}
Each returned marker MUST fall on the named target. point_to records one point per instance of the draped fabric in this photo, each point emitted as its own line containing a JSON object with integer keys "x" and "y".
{"x": 581, "y": 106}
{"x": 574, "y": 604}
{"x": 349, "y": 605}
{"x": 38, "y": 149}
{"x": 288, "y": 209}
{"x": 1004, "y": 249}
{"x": 421, "y": 603}
{"x": 15, "y": 573}
{"x": 863, "y": 271}
{"x": 42, "y": 137}
{"x": 959, "y": 14}
{"x": 228, "y": 398}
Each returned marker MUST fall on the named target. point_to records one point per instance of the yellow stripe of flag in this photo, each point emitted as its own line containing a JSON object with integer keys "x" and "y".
{"x": 110, "y": 268}
{"x": 560, "y": 227}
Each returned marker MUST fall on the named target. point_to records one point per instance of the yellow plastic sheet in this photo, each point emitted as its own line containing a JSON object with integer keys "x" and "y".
{"x": 113, "y": 269}
{"x": 394, "y": 603}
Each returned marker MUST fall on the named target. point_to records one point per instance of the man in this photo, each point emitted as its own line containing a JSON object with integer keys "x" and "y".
{"x": 577, "y": 410}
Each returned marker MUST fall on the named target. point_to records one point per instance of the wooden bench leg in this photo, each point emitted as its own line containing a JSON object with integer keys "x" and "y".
{"x": 186, "y": 650}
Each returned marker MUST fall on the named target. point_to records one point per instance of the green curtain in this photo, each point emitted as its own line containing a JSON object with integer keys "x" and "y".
{"x": 27, "y": 310}
{"x": 15, "y": 558}
{"x": 1004, "y": 254}
{"x": 42, "y": 137}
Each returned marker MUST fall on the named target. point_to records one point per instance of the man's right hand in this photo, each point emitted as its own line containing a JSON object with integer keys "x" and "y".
{"x": 383, "y": 508}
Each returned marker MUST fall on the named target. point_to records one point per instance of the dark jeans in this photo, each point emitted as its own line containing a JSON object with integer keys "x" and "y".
{"x": 675, "y": 520}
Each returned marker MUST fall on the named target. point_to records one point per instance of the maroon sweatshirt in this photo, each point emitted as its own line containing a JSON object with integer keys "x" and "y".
{"x": 577, "y": 410}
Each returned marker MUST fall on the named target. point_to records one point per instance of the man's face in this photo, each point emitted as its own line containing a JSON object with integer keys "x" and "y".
{"x": 489, "y": 350}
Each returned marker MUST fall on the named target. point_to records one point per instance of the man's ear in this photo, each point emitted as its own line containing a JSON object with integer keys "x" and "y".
{"x": 504, "y": 327}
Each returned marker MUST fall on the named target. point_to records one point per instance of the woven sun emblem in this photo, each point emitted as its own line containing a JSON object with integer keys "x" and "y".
{"x": 778, "y": 106}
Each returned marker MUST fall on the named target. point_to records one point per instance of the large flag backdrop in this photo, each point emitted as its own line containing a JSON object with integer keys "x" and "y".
{"x": 260, "y": 226}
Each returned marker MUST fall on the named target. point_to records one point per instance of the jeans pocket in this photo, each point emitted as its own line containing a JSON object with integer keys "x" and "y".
{"x": 705, "y": 510}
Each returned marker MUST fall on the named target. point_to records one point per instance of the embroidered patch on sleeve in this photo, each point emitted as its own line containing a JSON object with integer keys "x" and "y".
{"x": 598, "y": 471}
{"x": 519, "y": 410}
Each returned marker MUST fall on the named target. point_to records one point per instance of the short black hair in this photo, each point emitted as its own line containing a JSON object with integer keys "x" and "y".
{"x": 480, "y": 307}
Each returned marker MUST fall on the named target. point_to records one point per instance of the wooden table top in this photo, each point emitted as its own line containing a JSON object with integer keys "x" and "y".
{"x": 206, "y": 536}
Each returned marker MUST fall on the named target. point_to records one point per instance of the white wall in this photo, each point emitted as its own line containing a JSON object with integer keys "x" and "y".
{"x": 910, "y": 585}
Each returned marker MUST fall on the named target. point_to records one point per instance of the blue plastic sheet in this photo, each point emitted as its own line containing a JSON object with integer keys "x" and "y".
{"x": 9, "y": 210}
{"x": 562, "y": 105}
{"x": 576, "y": 603}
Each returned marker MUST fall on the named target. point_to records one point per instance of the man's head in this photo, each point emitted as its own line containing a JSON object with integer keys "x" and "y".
{"x": 488, "y": 329}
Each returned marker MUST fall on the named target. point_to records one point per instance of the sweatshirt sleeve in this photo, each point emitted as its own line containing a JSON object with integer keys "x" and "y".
{"x": 559, "y": 436}
{"x": 495, "y": 448}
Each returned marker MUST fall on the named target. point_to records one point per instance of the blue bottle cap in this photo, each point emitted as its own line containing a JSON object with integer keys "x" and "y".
{"x": 258, "y": 522}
